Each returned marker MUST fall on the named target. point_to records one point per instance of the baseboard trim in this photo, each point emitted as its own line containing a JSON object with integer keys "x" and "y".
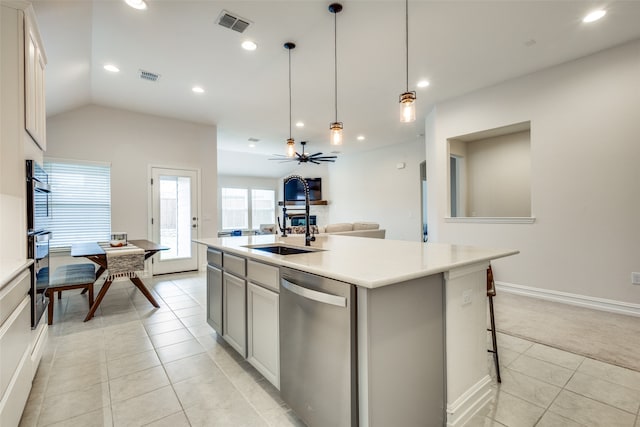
{"x": 469, "y": 403}
{"x": 601, "y": 304}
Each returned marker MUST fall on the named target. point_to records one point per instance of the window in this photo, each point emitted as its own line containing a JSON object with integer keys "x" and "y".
{"x": 263, "y": 203}
{"x": 239, "y": 210}
{"x": 80, "y": 202}
{"x": 235, "y": 208}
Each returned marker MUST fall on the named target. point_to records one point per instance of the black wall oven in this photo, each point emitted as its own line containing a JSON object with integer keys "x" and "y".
{"x": 38, "y": 236}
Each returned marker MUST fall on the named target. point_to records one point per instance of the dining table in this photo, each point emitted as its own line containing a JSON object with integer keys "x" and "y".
{"x": 95, "y": 253}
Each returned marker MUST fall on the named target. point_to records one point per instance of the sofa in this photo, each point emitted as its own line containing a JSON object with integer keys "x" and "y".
{"x": 358, "y": 229}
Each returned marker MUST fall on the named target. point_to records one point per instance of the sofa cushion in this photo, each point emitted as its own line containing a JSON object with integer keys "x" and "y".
{"x": 301, "y": 229}
{"x": 365, "y": 226}
{"x": 334, "y": 228}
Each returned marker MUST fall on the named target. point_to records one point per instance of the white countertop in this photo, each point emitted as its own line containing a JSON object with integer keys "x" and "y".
{"x": 365, "y": 262}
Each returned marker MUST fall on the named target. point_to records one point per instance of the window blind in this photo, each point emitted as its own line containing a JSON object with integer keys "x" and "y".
{"x": 80, "y": 202}
{"x": 262, "y": 207}
{"x": 235, "y": 208}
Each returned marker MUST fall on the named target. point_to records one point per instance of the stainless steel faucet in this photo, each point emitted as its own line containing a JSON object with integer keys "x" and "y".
{"x": 308, "y": 238}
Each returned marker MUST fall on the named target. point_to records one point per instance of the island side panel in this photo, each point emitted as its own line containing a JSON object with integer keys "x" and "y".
{"x": 468, "y": 381}
{"x": 401, "y": 354}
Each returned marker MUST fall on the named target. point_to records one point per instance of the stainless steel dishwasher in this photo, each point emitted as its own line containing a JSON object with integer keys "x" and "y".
{"x": 318, "y": 370}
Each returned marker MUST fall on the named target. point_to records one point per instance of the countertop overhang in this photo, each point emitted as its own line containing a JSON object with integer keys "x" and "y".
{"x": 365, "y": 262}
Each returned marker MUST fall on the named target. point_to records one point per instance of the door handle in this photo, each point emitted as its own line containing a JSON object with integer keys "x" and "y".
{"x": 314, "y": 295}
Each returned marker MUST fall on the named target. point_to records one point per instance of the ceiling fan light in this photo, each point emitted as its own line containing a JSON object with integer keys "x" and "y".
{"x": 336, "y": 133}
{"x": 408, "y": 107}
{"x": 291, "y": 148}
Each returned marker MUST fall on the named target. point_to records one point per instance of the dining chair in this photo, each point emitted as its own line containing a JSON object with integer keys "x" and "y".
{"x": 491, "y": 292}
{"x": 67, "y": 277}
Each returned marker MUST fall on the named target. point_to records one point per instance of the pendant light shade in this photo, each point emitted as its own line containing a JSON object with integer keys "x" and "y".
{"x": 408, "y": 98}
{"x": 336, "y": 126}
{"x": 291, "y": 149}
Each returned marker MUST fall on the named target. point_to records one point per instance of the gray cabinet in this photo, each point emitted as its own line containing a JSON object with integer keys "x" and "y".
{"x": 214, "y": 298}
{"x": 263, "y": 308}
{"x": 234, "y": 322}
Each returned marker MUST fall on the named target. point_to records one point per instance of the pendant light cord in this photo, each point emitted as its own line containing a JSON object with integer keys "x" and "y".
{"x": 406, "y": 22}
{"x": 289, "y": 93}
{"x": 335, "y": 60}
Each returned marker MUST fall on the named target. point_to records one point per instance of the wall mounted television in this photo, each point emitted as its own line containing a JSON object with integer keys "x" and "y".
{"x": 294, "y": 190}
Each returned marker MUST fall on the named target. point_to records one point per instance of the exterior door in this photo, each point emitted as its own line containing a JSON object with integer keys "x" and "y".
{"x": 174, "y": 219}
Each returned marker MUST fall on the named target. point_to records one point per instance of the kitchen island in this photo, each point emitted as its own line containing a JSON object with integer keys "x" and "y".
{"x": 416, "y": 324}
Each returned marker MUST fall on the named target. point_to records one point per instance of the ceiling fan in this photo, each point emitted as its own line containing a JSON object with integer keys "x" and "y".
{"x": 303, "y": 157}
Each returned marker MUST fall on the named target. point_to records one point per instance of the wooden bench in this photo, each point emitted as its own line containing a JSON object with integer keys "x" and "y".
{"x": 71, "y": 276}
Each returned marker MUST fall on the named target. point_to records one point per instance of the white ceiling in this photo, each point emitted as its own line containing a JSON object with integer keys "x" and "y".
{"x": 459, "y": 46}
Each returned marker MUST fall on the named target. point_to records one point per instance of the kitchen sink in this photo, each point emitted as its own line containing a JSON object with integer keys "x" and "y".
{"x": 282, "y": 249}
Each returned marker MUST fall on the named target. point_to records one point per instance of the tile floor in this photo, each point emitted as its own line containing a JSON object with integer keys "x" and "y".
{"x": 133, "y": 365}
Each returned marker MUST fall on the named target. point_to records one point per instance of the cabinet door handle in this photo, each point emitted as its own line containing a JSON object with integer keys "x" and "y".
{"x": 314, "y": 295}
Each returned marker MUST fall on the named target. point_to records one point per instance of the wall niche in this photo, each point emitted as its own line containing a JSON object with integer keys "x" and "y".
{"x": 490, "y": 174}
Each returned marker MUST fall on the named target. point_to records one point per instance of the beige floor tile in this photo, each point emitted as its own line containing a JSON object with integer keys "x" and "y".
{"x": 505, "y": 355}
{"x": 150, "y": 316}
{"x": 606, "y": 392}
{"x": 194, "y": 320}
{"x": 190, "y": 311}
{"x": 176, "y": 298}
{"x": 60, "y": 407}
{"x": 162, "y": 327}
{"x": 171, "y": 337}
{"x": 544, "y": 371}
{"x": 201, "y": 330}
{"x": 513, "y": 411}
{"x": 177, "y": 305}
{"x": 212, "y": 391}
{"x": 180, "y": 350}
{"x": 75, "y": 377}
{"x": 482, "y": 421}
{"x": 98, "y": 418}
{"x": 81, "y": 357}
{"x": 549, "y": 419}
{"x": 128, "y": 329}
{"x": 590, "y": 412}
{"x": 528, "y": 388}
{"x": 133, "y": 363}
{"x": 176, "y": 420}
{"x": 199, "y": 365}
{"x": 615, "y": 374}
{"x": 127, "y": 345}
{"x": 231, "y": 413}
{"x": 145, "y": 408}
{"x": 137, "y": 383}
{"x": 555, "y": 356}
{"x": 512, "y": 343}
{"x": 261, "y": 394}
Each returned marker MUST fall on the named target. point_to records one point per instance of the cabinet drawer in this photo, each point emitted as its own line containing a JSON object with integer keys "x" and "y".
{"x": 12, "y": 295}
{"x": 15, "y": 335}
{"x": 234, "y": 264}
{"x": 214, "y": 257}
{"x": 264, "y": 274}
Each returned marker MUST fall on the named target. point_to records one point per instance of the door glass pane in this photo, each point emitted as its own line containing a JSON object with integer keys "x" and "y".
{"x": 175, "y": 216}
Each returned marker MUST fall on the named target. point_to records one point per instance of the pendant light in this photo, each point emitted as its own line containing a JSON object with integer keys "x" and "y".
{"x": 291, "y": 148}
{"x": 407, "y": 99}
{"x": 336, "y": 126}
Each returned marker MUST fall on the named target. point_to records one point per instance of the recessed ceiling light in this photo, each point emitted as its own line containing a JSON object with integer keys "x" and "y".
{"x": 252, "y": 145}
{"x": 594, "y": 16}
{"x": 299, "y": 124}
{"x": 197, "y": 89}
{"x": 249, "y": 45}
{"x": 360, "y": 138}
{"x": 112, "y": 68}
{"x": 137, "y": 4}
{"x": 423, "y": 83}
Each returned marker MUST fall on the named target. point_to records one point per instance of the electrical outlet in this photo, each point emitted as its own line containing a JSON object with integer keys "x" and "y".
{"x": 466, "y": 297}
{"x": 635, "y": 278}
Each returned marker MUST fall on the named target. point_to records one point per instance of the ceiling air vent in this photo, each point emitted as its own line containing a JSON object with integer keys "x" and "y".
{"x": 234, "y": 22}
{"x": 148, "y": 75}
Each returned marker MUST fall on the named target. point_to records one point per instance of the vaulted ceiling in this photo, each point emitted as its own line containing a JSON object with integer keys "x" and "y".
{"x": 459, "y": 46}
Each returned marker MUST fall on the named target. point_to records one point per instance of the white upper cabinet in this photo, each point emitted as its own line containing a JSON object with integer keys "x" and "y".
{"x": 34, "y": 81}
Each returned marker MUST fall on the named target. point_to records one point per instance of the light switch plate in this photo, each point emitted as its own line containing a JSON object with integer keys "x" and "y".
{"x": 635, "y": 278}
{"x": 466, "y": 297}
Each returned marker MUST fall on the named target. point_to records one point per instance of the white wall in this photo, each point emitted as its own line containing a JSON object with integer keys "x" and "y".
{"x": 584, "y": 167}
{"x": 132, "y": 142}
{"x": 367, "y": 186}
{"x": 498, "y": 176}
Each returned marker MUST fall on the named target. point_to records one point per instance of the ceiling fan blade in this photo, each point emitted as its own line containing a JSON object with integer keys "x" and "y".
{"x": 317, "y": 154}
{"x": 314, "y": 161}
{"x": 325, "y": 158}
